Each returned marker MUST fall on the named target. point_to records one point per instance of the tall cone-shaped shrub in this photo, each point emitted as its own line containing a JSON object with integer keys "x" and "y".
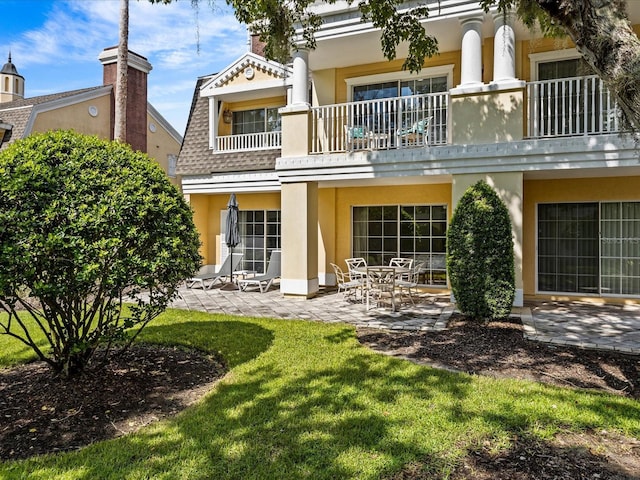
{"x": 480, "y": 261}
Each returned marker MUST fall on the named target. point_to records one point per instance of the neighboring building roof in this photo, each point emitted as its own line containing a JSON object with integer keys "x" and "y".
{"x": 18, "y": 113}
{"x": 197, "y": 158}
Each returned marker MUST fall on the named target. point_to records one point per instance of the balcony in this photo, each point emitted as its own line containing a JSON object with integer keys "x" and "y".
{"x": 578, "y": 106}
{"x": 389, "y": 123}
{"x": 571, "y": 107}
{"x": 249, "y": 142}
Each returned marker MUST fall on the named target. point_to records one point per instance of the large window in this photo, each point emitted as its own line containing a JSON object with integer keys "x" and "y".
{"x": 419, "y": 232}
{"x": 256, "y": 121}
{"x": 589, "y": 248}
{"x": 399, "y": 88}
{"x": 389, "y": 106}
{"x": 260, "y": 234}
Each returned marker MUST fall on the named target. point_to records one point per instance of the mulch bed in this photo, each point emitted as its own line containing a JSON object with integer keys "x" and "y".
{"x": 498, "y": 349}
{"x": 41, "y": 414}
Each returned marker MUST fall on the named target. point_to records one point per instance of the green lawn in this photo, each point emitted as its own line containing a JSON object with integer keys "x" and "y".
{"x": 305, "y": 400}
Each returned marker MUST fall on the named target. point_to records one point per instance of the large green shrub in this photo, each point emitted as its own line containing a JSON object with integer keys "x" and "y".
{"x": 85, "y": 224}
{"x": 480, "y": 261}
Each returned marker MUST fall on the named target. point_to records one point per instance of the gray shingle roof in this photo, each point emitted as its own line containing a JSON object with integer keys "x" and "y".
{"x": 196, "y": 158}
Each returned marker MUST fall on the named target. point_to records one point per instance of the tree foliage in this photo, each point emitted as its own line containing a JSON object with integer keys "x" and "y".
{"x": 600, "y": 29}
{"x": 480, "y": 258}
{"x": 84, "y": 224}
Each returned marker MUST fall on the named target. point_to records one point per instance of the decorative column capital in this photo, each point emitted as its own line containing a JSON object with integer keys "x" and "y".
{"x": 503, "y": 18}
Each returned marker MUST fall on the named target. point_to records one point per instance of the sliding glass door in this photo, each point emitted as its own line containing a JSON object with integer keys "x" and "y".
{"x": 589, "y": 248}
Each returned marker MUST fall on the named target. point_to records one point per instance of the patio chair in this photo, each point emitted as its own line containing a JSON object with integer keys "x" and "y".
{"x": 381, "y": 286}
{"x": 357, "y": 268}
{"x": 227, "y": 268}
{"x": 356, "y": 137}
{"x": 416, "y": 133}
{"x": 263, "y": 282}
{"x": 345, "y": 285}
{"x": 411, "y": 284}
{"x": 402, "y": 262}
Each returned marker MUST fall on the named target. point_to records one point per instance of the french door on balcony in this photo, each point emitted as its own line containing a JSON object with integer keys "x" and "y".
{"x": 589, "y": 248}
{"x": 568, "y": 99}
{"x": 413, "y": 104}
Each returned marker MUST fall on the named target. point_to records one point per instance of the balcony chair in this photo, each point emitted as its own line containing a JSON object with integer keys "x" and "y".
{"x": 417, "y": 134}
{"x": 227, "y": 268}
{"x": 356, "y": 137}
{"x": 263, "y": 282}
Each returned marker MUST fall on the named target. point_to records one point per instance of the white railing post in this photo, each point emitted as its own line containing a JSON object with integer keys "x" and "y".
{"x": 381, "y": 119}
{"x": 570, "y": 107}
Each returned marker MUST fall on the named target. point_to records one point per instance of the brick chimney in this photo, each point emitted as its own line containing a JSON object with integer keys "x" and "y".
{"x": 137, "y": 72}
{"x": 256, "y": 46}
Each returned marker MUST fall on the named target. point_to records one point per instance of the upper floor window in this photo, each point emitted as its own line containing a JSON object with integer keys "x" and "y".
{"x": 399, "y": 88}
{"x": 574, "y": 67}
{"x": 399, "y": 84}
{"x": 558, "y": 64}
{"x": 256, "y": 121}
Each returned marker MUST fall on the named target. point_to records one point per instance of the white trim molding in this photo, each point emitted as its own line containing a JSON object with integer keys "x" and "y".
{"x": 552, "y": 56}
{"x": 431, "y": 72}
{"x": 250, "y": 182}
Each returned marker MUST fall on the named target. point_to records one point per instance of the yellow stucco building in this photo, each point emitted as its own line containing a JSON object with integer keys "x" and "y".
{"x": 90, "y": 111}
{"x": 342, "y": 153}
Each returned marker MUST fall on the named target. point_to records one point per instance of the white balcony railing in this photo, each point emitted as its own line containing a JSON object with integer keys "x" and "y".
{"x": 249, "y": 141}
{"x": 571, "y": 107}
{"x": 389, "y": 123}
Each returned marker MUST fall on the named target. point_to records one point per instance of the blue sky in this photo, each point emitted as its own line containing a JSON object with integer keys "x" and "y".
{"x": 55, "y": 45}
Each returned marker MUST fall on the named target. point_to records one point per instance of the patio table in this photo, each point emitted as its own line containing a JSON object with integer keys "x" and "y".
{"x": 398, "y": 272}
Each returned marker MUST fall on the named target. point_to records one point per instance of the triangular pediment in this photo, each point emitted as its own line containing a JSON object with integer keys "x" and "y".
{"x": 249, "y": 70}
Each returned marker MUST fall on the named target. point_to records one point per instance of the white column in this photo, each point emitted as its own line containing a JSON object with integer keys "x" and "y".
{"x": 300, "y": 90}
{"x": 213, "y": 122}
{"x": 504, "y": 48}
{"x": 471, "y": 68}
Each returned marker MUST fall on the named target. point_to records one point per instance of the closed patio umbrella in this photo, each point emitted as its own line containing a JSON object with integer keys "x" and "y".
{"x": 232, "y": 233}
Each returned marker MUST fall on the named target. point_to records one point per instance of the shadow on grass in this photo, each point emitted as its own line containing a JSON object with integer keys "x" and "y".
{"x": 309, "y": 402}
{"x": 530, "y": 458}
{"x": 236, "y": 342}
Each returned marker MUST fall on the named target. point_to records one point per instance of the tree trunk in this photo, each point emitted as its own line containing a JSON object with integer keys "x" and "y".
{"x": 603, "y": 35}
{"x": 120, "y": 129}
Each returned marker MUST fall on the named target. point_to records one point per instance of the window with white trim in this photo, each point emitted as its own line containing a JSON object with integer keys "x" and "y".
{"x": 257, "y": 120}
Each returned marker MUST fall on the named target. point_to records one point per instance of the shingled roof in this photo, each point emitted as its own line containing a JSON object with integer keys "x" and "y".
{"x": 196, "y": 158}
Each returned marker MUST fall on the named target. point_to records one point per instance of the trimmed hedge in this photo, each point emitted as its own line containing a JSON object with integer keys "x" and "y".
{"x": 480, "y": 260}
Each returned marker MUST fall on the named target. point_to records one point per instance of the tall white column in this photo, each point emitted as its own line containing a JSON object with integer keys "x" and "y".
{"x": 504, "y": 48}
{"x": 300, "y": 89}
{"x": 471, "y": 68}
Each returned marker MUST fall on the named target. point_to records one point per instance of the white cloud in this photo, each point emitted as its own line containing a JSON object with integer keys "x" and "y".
{"x": 180, "y": 43}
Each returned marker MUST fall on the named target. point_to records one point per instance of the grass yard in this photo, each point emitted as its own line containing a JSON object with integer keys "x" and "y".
{"x": 306, "y": 400}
